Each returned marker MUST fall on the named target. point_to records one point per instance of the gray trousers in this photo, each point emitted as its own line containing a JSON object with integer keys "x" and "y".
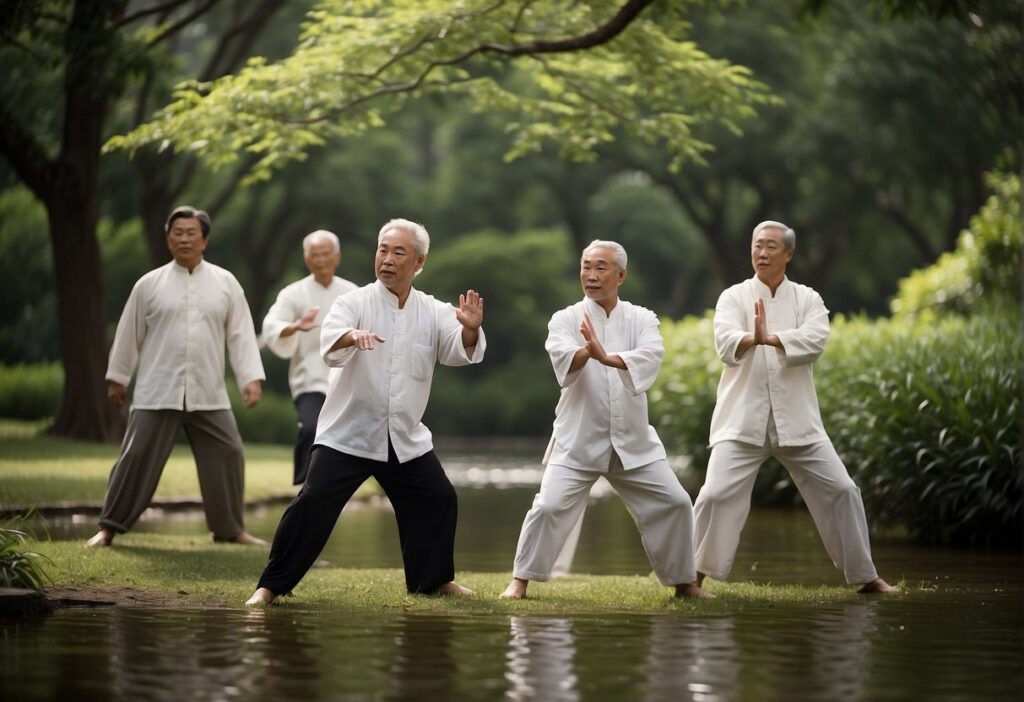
{"x": 217, "y": 448}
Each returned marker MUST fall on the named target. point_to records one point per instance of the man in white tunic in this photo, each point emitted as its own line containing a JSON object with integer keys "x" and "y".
{"x": 768, "y": 332}
{"x": 291, "y": 330}
{"x": 386, "y": 338}
{"x": 175, "y": 326}
{"x": 606, "y": 353}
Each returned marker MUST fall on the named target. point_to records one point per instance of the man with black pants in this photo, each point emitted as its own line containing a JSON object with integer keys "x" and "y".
{"x": 291, "y": 330}
{"x": 386, "y": 338}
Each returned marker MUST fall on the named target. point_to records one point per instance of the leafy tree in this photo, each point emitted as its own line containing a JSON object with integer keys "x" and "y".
{"x": 360, "y": 62}
{"x": 70, "y": 61}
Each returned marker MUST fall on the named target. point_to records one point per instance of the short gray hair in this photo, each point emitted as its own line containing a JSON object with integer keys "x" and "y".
{"x": 420, "y": 237}
{"x": 618, "y": 253}
{"x": 788, "y": 235}
{"x": 320, "y": 235}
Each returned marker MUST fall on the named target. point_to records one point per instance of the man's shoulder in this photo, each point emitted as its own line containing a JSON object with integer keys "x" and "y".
{"x": 573, "y": 310}
{"x": 345, "y": 285}
{"x": 802, "y": 290}
{"x": 636, "y": 311}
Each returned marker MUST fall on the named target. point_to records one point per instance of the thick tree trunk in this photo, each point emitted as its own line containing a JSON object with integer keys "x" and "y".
{"x": 84, "y": 410}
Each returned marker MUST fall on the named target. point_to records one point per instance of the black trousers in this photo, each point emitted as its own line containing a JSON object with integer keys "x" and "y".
{"x": 425, "y": 504}
{"x": 308, "y": 405}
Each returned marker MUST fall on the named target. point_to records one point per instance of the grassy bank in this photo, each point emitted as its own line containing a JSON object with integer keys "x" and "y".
{"x": 38, "y": 469}
{"x": 193, "y": 572}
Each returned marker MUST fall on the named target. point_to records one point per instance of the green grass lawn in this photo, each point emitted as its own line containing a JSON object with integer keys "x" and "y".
{"x": 216, "y": 574}
{"x": 38, "y": 469}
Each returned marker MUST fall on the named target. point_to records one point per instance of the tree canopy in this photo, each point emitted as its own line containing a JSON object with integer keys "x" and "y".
{"x": 574, "y": 75}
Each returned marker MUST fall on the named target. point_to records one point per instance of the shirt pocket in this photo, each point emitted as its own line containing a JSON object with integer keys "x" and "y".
{"x": 422, "y": 362}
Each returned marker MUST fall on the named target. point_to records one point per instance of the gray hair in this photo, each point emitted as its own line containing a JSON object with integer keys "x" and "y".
{"x": 320, "y": 235}
{"x": 788, "y": 235}
{"x": 421, "y": 239}
{"x": 618, "y": 253}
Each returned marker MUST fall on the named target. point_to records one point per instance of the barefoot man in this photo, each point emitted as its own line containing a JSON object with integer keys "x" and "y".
{"x": 386, "y": 338}
{"x": 606, "y": 353}
{"x": 175, "y": 326}
{"x": 768, "y": 332}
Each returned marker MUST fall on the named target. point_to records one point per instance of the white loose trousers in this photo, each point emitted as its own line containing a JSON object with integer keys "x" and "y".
{"x": 819, "y": 474}
{"x": 657, "y": 502}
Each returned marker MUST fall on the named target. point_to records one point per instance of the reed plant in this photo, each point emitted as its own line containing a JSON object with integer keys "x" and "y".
{"x": 20, "y": 568}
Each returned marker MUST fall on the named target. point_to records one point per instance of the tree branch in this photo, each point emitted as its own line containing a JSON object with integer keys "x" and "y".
{"x": 182, "y": 23}
{"x": 165, "y": 8}
{"x": 245, "y": 31}
{"x": 25, "y": 154}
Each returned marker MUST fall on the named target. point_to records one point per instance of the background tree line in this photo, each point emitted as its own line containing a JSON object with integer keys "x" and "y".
{"x": 869, "y": 133}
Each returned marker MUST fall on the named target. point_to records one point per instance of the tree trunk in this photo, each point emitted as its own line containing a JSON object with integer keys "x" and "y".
{"x": 84, "y": 410}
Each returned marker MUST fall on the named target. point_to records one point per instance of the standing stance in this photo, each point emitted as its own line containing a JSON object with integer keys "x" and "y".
{"x": 606, "y": 353}
{"x": 768, "y": 332}
{"x": 386, "y": 337}
{"x": 175, "y": 325}
{"x": 291, "y": 330}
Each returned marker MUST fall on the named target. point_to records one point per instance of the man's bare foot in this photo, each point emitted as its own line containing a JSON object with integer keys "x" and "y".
{"x": 878, "y": 585}
{"x": 249, "y": 540}
{"x": 261, "y": 598}
{"x": 692, "y": 590}
{"x": 700, "y": 579}
{"x": 104, "y": 537}
{"x": 453, "y": 589}
{"x": 516, "y": 589}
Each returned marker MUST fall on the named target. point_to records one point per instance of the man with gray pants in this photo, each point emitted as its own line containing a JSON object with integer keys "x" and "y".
{"x": 175, "y": 326}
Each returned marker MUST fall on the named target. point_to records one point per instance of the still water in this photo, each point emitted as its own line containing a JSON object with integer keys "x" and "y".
{"x": 956, "y": 635}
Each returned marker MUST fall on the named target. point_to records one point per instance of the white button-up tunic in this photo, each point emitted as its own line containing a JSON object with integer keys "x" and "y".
{"x": 383, "y": 392}
{"x": 306, "y": 369}
{"x": 176, "y": 325}
{"x": 603, "y": 409}
{"x": 767, "y": 381}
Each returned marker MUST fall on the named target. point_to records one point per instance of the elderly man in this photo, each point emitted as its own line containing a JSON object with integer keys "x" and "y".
{"x": 175, "y": 325}
{"x": 291, "y": 330}
{"x": 768, "y": 332}
{"x": 606, "y": 353}
{"x": 386, "y": 338}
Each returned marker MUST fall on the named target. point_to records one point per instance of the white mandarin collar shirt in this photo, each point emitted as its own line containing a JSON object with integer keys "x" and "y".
{"x": 766, "y": 381}
{"x": 603, "y": 409}
{"x": 382, "y": 393}
{"x": 306, "y": 369}
{"x": 176, "y": 325}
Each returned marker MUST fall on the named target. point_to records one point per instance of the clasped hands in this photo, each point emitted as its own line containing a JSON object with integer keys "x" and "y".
{"x": 592, "y": 347}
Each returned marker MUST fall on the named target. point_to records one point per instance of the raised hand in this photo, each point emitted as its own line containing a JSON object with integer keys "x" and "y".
{"x": 308, "y": 319}
{"x": 471, "y": 310}
{"x": 760, "y": 322}
{"x": 365, "y": 340}
{"x": 593, "y": 345}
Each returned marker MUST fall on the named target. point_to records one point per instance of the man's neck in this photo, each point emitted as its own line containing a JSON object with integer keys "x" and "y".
{"x": 401, "y": 293}
{"x": 608, "y": 305}
{"x": 324, "y": 280}
{"x": 774, "y": 283}
{"x": 190, "y": 266}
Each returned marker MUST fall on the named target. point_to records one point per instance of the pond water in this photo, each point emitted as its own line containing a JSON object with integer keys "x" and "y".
{"x": 957, "y": 635}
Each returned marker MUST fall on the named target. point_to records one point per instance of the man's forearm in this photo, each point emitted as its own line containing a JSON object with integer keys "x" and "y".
{"x": 470, "y": 337}
{"x": 579, "y": 359}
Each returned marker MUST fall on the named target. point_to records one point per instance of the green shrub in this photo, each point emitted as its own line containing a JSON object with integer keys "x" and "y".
{"x": 983, "y": 271}
{"x": 30, "y": 391}
{"x": 18, "y": 568}
{"x": 928, "y": 418}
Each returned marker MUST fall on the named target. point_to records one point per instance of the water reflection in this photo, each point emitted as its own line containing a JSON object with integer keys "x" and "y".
{"x": 855, "y": 651}
{"x": 694, "y": 660}
{"x": 540, "y": 660}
